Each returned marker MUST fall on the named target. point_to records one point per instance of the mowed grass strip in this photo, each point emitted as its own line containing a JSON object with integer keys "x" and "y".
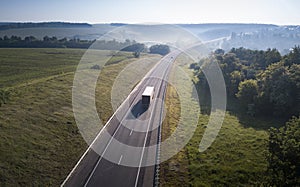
{"x": 173, "y": 172}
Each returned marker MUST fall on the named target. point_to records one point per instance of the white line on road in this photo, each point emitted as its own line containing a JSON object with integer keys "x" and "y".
{"x": 130, "y": 132}
{"x": 120, "y": 160}
{"x": 104, "y": 127}
{"x": 142, "y": 155}
{"x": 107, "y": 123}
{"x": 145, "y": 140}
{"x": 111, "y": 139}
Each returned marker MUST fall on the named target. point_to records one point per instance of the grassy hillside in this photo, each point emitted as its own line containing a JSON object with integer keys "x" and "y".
{"x": 40, "y": 142}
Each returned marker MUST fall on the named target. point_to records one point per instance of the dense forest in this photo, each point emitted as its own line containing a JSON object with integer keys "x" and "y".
{"x": 265, "y": 84}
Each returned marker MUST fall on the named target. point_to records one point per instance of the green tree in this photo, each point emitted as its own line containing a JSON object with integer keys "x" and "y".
{"x": 294, "y": 73}
{"x": 219, "y": 52}
{"x": 231, "y": 68}
{"x": 15, "y": 38}
{"x": 137, "y": 47}
{"x": 195, "y": 66}
{"x": 284, "y": 154}
{"x": 5, "y": 38}
{"x": 46, "y": 38}
{"x": 247, "y": 92}
{"x": 293, "y": 57}
{"x": 160, "y": 49}
{"x": 235, "y": 78}
{"x": 230, "y": 63}
{"x": 272, "y": 56}
{"x": 136, "y": 54}
{"x": 29, "y": 38}
{"x": 276, "y": 90}
{"x": 53, "y": 39}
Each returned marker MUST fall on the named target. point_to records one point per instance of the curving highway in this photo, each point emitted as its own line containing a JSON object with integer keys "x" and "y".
{"x": 131, "y": 126}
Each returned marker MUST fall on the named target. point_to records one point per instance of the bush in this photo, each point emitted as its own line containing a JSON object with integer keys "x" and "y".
{"x": 284, "y": 154}
{"x": 136, "y": 54}
{"x": 96, "y": 67}
{"x": 159, "y": 49}
{"x": 4, "y": 96}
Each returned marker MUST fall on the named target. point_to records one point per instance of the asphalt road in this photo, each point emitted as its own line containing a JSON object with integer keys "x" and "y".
{"x": 131, "y": 125}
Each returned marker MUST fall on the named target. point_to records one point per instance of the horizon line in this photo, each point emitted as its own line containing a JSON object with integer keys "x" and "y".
{"x": 148, "y": 23}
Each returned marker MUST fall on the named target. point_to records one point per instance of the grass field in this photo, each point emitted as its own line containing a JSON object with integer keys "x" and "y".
{"x": 236, "y": 158}
{"x": 40, "y": 142}
{"x": 22, "y": 65}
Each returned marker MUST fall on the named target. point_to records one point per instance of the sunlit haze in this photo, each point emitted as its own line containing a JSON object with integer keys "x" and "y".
{"x": 280, "y": 12}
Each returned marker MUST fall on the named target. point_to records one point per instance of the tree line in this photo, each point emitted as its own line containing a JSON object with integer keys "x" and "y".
{"x": 54, "y": 42}
{"x": 5, "y": 26}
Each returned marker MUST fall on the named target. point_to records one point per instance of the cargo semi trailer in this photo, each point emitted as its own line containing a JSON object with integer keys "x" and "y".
{"x": 147, "y": 96}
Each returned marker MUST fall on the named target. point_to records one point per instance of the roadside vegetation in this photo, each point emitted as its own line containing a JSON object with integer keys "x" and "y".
{"x": 284, "y": 154}
{"x": 254, "y": 146}
{"x": 173, "y": 172}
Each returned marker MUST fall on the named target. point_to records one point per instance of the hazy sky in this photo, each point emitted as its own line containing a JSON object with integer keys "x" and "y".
{"x": 281, "y": 12}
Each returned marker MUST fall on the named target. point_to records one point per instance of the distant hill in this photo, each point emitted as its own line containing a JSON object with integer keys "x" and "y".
{"x": 210, "y": 31}
{"x": 60, "y": 30}
{"x": 118, "y": 24}
{"x": 5, "y": 26}
{"x": 252, "y": 36}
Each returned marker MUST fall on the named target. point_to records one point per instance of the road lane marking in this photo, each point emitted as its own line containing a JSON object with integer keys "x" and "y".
{"x": 151, "y": 71}
{"x": 145, "y": 140}
{"x": 101, "y": 156}
{"x": 112, "y": 137}
{"x": 142, "y": 155}
{"x": 130, "y": 132}
{"x": 120, "y": 160}
{"x": 114, "y": 114}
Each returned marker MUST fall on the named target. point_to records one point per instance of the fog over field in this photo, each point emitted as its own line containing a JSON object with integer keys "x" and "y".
{"x": 252, "y": 36}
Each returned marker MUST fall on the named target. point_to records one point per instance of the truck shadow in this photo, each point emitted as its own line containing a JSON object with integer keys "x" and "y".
{"x": 137, "y": 110}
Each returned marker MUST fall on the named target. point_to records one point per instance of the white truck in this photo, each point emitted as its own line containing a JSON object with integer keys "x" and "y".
{"x": 147, "y": 96}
